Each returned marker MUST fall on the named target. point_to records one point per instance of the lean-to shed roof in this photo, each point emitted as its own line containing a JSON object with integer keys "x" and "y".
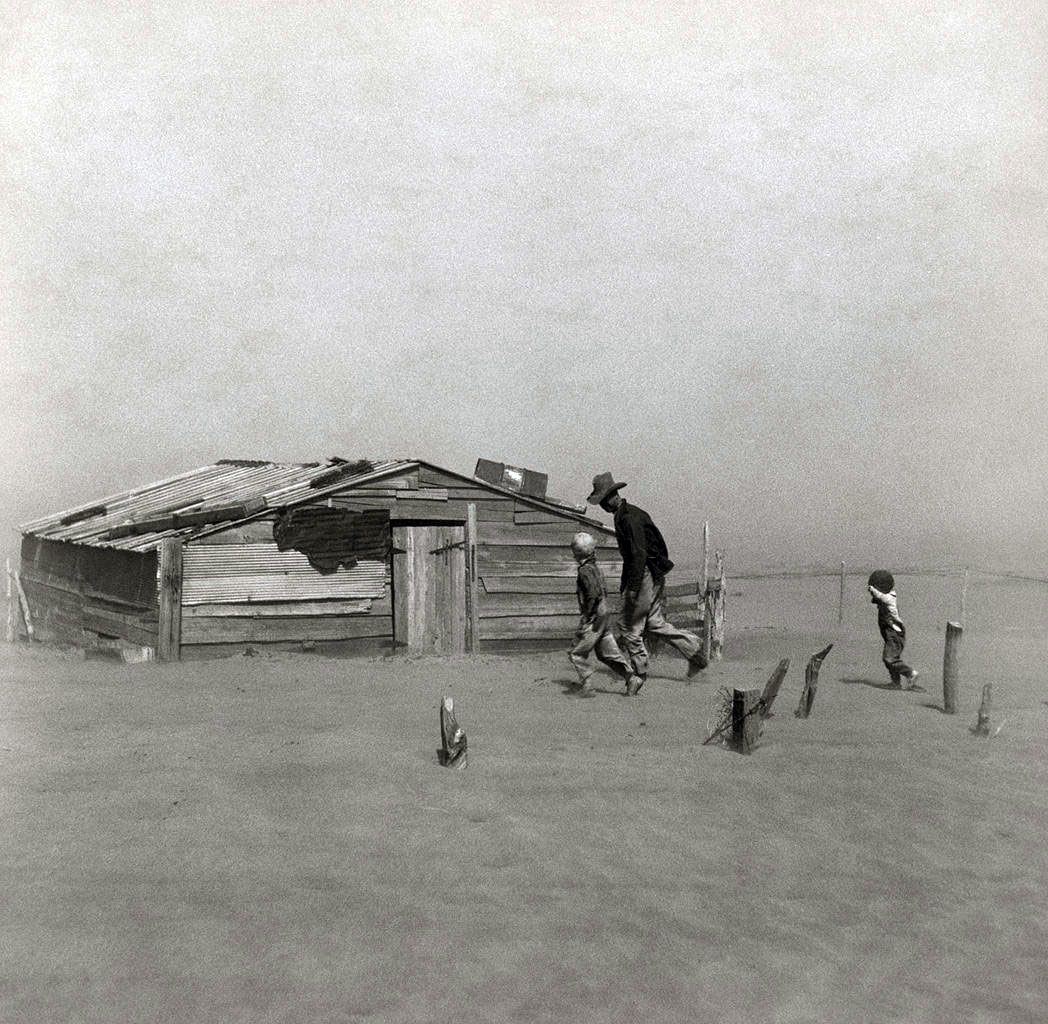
{"x": 234, "y": 485}
{"x": 215, "y": 497}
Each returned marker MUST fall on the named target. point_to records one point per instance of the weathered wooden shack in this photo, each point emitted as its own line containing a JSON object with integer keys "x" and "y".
{"x": 338, "y": 557}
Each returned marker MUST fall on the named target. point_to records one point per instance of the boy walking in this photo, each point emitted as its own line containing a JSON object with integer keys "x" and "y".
{"x": 593, "y": 635}
{"x": 881, "y": 586}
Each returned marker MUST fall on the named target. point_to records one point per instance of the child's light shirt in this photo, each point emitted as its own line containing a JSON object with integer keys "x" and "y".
{"x": 889, "y": 602}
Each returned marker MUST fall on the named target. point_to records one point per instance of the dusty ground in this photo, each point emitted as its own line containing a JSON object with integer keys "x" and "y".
{"x": 270, "y": 840}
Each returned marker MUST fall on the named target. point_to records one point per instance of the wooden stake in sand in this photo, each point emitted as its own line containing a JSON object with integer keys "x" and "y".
{"x": 840, "y": 605}
{"x": 982, "y": 723}
{"x": 10, "y": 606}
{"x": 811, "y": 681}
{"x": 771, "y": 687}
{"x": 745, "y": 719}
{"x": 23, "y": 601}
{"x": 950, "y": 668}
{"x": 452, "y": 752}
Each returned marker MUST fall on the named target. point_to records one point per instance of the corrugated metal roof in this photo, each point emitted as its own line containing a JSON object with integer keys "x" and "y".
{"x": 230, "y": 482}
{"x": 223, "y": 483}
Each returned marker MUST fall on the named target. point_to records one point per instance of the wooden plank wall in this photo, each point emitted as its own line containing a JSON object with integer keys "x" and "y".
{"x": 67, "y": 607}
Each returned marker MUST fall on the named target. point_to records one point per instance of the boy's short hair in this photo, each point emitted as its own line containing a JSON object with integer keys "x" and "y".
{"x": 583, "y": 544}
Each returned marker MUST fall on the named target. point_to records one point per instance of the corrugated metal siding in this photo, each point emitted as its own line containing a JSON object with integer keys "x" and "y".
{"x": 260, "y": 572}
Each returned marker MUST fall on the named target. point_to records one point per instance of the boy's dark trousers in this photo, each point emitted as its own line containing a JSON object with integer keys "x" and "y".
{"x": 893, "y": 645}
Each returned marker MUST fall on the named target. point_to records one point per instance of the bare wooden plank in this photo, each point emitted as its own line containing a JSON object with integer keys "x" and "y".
{"x": 514, "y": 605}
{"x": 272, "y": 630}
{"x": 478, "y": 494}
{"x": 125, "y": 630}
{"x": 528, "y": 584}
{"x": 494, "y": 511}
{"x": 524, "y": 516}
{"x": 355, "y": 647}
{"x": 432, "y": 511}
{"x": 682, "y": 589}
{"x": 278, "y": 609}
{"x": 260, "y": 531}
{"x": 544, "y": 626}
{"x": 430, "y": 476}
{"x": 425, "y": 494}
{"x": 542, "y": 535}
{"x": 387, "y": 483}
{"x": 549, "y": 554}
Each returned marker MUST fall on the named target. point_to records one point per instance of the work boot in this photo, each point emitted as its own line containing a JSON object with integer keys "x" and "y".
{"x": 633, "y": 685}
{"x": 696, "y": 663}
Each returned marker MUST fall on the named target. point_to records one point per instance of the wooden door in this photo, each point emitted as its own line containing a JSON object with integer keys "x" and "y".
{"x": 429, "y": 588}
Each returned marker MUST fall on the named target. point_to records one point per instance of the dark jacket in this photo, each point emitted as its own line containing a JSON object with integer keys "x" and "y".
{"x": 589, "y": 589}
{"x": 641, "y": 546}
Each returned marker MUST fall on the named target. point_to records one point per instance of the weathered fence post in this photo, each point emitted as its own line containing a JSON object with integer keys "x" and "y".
{"x": 705, "y": 555}
{"x": 840, "y": 606}
{"x": 964, "y": 598}
{"x": 23, "y": 601}
{"x": 982, "y": 723}
{"x": 169, "y": 638}
{"x": 717, "y": 635}
{"x": 745, "y": 719}
{"x": 811, "y": 681}
{"x": 950, "y": 667}
{"x": 771, "y": 687}
{"x": 10, "y": 606}
{"x": 452, "y": 752}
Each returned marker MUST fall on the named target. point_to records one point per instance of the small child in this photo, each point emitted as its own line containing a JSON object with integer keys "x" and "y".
{"x": 881, "y": 586}
{"x": 593, "y": 634}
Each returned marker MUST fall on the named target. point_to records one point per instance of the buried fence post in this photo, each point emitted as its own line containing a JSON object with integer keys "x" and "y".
{"x": 950, "y": 668}
{"x": 745, "y": 719}
{"x": 452, "y": 752}
{"x": 27, "y": 616}
{"x": 771, "y": 687}
{"x": 840, "y": 605}
{"x": 10, "y": 607}
{"x": 982, "y": 723}
{"x": 811, "y": 681}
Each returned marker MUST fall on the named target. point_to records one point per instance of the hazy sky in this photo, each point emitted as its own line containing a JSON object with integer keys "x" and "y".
{"x": 778, "y": 265}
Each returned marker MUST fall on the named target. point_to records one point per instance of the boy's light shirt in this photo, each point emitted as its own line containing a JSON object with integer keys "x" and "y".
{"x": 890, "y": 602}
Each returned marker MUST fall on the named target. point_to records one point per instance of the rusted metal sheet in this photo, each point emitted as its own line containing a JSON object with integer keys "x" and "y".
{"x": 260, "y": 572}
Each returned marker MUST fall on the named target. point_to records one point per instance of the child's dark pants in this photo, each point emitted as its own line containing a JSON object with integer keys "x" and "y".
{"x": 893, "y": 645}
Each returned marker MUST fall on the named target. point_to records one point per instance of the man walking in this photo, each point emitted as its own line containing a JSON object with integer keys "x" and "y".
{"x": 645, "y": 563}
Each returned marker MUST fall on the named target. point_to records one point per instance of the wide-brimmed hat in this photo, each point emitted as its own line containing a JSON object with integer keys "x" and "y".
{"x": 603, "y": 486}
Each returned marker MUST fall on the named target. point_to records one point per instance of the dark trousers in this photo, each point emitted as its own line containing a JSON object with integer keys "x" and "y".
{"x": 893, "y": 645}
